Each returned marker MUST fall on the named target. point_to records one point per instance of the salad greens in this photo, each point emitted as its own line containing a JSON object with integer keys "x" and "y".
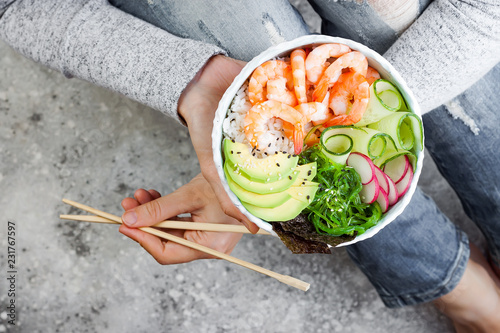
{"x": 337, "y": 208}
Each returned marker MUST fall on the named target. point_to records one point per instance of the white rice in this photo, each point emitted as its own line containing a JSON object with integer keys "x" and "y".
{"x": 273, "y": 140}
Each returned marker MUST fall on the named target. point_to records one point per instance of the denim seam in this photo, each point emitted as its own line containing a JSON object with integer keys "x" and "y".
{"x": 447, "y": 286}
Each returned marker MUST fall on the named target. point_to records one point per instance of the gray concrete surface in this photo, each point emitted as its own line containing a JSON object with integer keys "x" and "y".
{"x": 66, "y": 138}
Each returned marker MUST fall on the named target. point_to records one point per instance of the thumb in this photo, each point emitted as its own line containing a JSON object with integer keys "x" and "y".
{"x": 231, "y": 210}
{"x": 225, "y": 202}
{"x": 158, "y": 210}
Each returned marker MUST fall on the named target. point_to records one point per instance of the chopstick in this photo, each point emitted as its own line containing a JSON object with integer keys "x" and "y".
{"x": 171, "y": 224}
{"x": 291, "y": 281}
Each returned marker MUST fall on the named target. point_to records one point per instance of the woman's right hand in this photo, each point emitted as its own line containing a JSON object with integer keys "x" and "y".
{"x": 196, "y": 198}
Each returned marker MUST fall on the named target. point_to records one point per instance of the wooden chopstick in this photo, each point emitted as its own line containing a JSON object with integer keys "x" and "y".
{"x": 291, "y": 281}
{"x": 171, "y": 224}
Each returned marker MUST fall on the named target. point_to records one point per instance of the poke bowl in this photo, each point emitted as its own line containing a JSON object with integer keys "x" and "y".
{"x": 287, "y": 114}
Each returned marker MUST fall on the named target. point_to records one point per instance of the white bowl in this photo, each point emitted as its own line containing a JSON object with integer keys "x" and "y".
{"x": 375, "y": 60}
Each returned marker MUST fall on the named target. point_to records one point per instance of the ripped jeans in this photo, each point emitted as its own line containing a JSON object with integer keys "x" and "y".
{"x": 422, "y": 255}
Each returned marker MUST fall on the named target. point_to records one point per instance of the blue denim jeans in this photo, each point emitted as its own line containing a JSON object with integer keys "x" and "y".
{"x": 421, "y": 255}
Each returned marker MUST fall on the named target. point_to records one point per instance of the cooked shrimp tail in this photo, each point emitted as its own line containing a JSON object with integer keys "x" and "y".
{"x": 372, "y": 75}
{"x": 298, "y": 139}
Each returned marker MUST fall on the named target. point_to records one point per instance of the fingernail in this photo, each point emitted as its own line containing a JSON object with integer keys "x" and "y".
{"x": 129, "y": 218}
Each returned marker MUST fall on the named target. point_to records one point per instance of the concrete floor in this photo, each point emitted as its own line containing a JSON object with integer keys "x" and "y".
{"x": 67, "y": 138}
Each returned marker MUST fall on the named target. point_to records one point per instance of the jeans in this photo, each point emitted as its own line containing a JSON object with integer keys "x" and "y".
{"x": 422, "y": 255}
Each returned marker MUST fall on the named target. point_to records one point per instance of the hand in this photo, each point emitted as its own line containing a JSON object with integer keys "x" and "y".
{"x": 196, "y": 198}
{"x": 197, "y": 106}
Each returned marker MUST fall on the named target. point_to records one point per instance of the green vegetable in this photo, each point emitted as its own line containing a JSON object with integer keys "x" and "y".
{"x": 339, "y": 141}
{"x": 337, "y": 208}
{"x": 404, "y": 127}
{"x": 385, "y": 99}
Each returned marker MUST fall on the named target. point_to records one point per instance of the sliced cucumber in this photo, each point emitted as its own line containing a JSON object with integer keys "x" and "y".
{"x": 385, "y": 99}
{"x": 405, "y": 128}
{"x": 373, "y": 144}
{"x": 391, "y": 99}
{"x": 338, "y": 141}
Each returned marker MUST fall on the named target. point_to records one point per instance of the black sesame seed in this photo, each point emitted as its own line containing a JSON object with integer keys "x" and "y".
{"x": 282, "y": 138}
{"x": 275, "y": 152}
{"x": 233, "y": 141}
{"x": 303, "y": 183}
{"x": 308, "y": 197}
{"x": 265, "y": 153}
{"x": 231, "y": 152}
{"x": 290, "y": 177}
{"x": 277, "y": 139}
{"x": 289, "y": 156}
{"x": 278, "y": 164}
{"x": 269, "y": 145}
{"x": 238, "y": 152}
{"x": 309, "y": 172}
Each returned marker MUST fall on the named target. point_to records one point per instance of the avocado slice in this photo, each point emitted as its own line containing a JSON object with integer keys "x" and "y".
{"x": 307, "y": 172}
{"x": 262, "y": 200}
{"x": 304, "y": 172}
{"x": 269, "y": 169}
{"x": 301, "y": 190}
{"x": 284, "y": 212}
{"x": 305, "y": 191}
{"x": 258, "y": 187}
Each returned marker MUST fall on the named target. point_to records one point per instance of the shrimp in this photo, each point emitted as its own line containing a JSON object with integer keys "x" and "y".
{"x": 316, "y": 61}
{"x": 255, "y": 123}
{"x": 372, "y": 75}
{"x": 298, "y": 61}
{"x": 351, "y": 85}
{"x": 277, "y": 91}
{"x": 354, "y": 60}
{"x": 269, "y": 70}
{"x": 316, "y": 112}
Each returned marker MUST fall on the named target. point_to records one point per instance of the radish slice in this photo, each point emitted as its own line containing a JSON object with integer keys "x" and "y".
{"x": 397, "y": 168}
{"x": 382, "y": 179}
{"x": 393, "y": 193}
{"x": 404, "y": 184}
{"x": 363, "y": 166}
{"x": 383, "y": 200}
{"x": 369, "y": 192}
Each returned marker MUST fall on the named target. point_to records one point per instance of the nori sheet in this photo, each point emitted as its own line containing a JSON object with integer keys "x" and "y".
{"x": 300, "y": 236}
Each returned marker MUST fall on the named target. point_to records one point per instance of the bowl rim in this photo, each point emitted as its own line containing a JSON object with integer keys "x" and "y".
{"x": 375, "y": 60}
